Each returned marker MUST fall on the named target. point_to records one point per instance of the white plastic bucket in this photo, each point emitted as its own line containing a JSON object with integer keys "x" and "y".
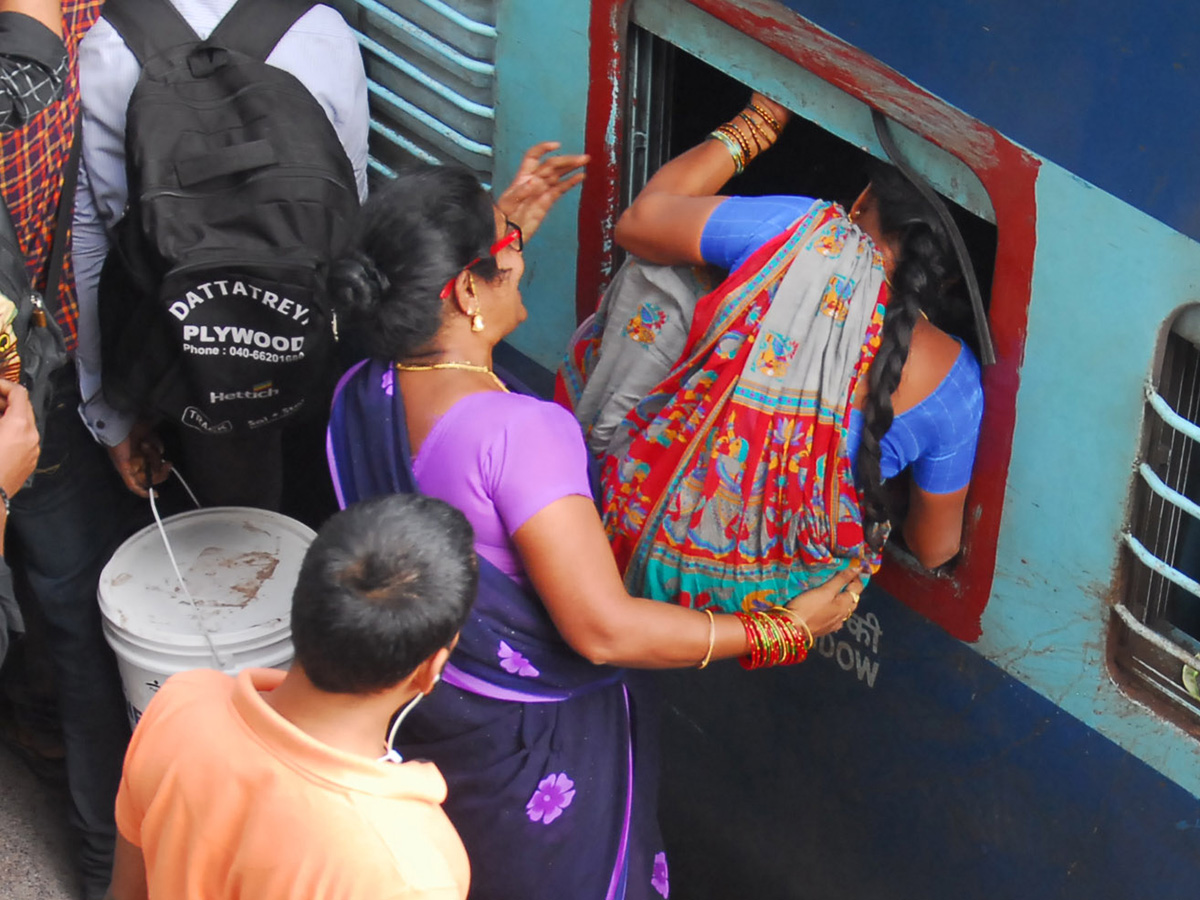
{"x": 240, "y": 566}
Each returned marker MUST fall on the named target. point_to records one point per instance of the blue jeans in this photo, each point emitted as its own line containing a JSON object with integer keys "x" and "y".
{"x": 66, "y": 526}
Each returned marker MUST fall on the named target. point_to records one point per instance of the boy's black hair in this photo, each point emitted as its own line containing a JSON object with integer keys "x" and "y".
{"x": 385, "y": 585}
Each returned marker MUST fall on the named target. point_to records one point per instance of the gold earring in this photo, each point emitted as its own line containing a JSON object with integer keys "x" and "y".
{"x": 470, "y": 285}
{"x": 476, "y": 321}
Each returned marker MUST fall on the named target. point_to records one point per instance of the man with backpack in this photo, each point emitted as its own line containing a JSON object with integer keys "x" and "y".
{"x": 224, "y": 153}
{"x": 62, "y": 528}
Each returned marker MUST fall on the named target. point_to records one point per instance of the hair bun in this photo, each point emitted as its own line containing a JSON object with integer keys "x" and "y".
{"x": 356, "y": 285}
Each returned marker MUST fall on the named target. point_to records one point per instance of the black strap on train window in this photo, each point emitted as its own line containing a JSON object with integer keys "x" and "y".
{"x": 987, "y": 350}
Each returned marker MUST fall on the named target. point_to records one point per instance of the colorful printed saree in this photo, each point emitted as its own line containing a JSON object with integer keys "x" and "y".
{"x": 726, "y": 480}
{"x": 552, "y": 772}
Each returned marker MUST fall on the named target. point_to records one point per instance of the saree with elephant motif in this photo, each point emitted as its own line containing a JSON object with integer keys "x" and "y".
{"x": 726, "y": 479}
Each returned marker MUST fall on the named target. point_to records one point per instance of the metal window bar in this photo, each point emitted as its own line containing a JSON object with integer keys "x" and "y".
{"x": 1160, "y": 614}
{"x": 431, "y": 81}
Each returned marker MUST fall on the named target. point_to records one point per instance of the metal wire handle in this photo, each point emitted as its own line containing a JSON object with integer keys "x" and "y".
{"x": 218, "y": 658}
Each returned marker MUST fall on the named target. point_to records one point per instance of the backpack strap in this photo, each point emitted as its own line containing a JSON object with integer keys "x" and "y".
{"x": 66, "y": 211}
{"x": 254, "y": 27}
{"x": 149, "y": 27}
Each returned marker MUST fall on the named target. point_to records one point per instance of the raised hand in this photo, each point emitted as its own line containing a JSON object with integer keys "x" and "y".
{"x": 19, "y": 445}
{"x": 540, "y": 180}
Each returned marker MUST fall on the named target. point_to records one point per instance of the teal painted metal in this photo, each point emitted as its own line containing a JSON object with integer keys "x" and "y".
{"x": 541, "y": 94}
{"x": 429, "y": 41}
{"x": 400, "y": 64}
{"x": 430, "y": 75}
{"x": 1106, "y": 279}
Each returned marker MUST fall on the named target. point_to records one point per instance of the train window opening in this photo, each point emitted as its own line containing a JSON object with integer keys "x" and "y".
{"x": 1158, "y": 632}
{"x": 675, "y": 99}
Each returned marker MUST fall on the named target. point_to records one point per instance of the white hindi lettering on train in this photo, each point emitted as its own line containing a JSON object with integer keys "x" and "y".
{"x": 857, "y": 655}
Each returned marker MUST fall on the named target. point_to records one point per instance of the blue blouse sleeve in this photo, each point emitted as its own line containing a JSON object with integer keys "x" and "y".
{"x": 946, "y": 424}
{"x": 740, "y": 225}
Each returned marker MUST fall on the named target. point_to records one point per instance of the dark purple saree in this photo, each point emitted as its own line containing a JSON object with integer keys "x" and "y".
{"x": 550, "y": 771}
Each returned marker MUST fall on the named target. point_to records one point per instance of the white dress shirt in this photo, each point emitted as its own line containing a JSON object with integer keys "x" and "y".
{"x": 320, "y": 50}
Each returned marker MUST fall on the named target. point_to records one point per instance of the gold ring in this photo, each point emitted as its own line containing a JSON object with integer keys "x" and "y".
{"x": 855, "y": 594}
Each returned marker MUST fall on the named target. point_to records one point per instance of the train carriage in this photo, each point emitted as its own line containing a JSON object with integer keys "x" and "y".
{"x": 1026, "y": 721}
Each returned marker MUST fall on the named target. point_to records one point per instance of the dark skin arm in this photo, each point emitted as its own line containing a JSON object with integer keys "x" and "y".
{"x": 129, "y": 873}
{"x": 664, "y": 223}
{"x": 567, "y": 557}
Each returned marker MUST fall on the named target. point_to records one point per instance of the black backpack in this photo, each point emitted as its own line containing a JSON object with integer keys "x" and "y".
{"x": 211, "y": 305}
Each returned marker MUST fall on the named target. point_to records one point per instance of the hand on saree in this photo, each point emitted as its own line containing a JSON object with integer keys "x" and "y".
{"x": 826, "y": 608}
{"x": 540, "y": 180}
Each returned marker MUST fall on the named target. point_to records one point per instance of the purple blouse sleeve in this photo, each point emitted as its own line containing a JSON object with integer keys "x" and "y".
{"x": 539, "y": 458}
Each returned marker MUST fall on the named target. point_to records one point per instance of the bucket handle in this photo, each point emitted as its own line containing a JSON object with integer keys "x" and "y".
{"x": 218, "y": 658}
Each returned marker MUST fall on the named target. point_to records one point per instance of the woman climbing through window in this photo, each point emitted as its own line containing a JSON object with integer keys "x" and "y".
{"x": 746, "y": 431}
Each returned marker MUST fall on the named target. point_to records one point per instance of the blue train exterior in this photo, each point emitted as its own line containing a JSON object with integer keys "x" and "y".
{"x": 976, "y": 734}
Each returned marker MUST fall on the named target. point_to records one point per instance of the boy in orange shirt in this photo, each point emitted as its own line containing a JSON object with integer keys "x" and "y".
{"x": 270, "y": 785}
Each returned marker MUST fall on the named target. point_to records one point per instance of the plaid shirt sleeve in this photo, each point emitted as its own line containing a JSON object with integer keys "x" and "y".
{"x": 32, "y": 159}
{"x": 33, "y": 68}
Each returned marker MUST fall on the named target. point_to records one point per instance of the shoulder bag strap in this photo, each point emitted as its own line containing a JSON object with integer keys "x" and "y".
{"x": 149, "y": 27}
{"x": 66, "y": 212}
{"x": 254, "y": 27}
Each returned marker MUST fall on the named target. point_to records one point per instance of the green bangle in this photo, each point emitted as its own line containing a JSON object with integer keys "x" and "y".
{"x": 735, "y": 150}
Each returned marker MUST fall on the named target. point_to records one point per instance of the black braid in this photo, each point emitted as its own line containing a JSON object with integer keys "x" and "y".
{"x": 924, "y": 260}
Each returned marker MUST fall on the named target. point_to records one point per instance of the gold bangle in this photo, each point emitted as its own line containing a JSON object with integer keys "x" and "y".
{"x": 712, "y": 639}
{"x": 801, "y": 624}
{"x": 766, "y": 116}
{"x": 736, "y": 133}
{"x": 756, "y": 131}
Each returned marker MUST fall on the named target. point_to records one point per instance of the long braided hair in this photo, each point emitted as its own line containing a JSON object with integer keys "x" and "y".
{"x": 925, "y": 263}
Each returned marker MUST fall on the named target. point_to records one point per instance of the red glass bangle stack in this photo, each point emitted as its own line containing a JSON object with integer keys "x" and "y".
{"x": 774, "y": 638}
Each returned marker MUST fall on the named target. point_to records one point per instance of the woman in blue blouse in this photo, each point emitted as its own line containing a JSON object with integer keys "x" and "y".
{"x": 746, "y": 430}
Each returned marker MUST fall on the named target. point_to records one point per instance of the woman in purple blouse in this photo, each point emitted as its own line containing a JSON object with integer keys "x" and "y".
{"x": 533, "y": 727}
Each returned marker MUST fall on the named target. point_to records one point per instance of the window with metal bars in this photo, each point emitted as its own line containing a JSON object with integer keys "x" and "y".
{"x": 1157, "y": 621}
{"x": 431, "y": 78}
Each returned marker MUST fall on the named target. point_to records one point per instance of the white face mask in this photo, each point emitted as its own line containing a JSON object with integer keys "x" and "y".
{"x": 392, "y": 756}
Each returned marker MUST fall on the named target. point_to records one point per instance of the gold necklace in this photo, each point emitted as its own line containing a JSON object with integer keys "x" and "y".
{"x": 465, "y": 367}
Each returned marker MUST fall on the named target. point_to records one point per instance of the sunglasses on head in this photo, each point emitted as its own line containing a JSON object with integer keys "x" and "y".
{"x": 512, "y": 238}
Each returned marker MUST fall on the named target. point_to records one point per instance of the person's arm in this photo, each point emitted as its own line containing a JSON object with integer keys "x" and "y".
{"x": 570, "y": 564}
{"x": 19, "y": 445}
{"x": 941, "y": 474}
{"x": 666, "y": 220}
{"x": 933, "y": 527}
{"x": 48, "y": 12}
{"x": 129, "y": 873}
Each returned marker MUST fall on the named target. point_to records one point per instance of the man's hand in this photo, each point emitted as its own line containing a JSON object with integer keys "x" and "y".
{"x": 540, "y": 180}
{"x": 139, "y": 460}
{"x": 19, "y": 444}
